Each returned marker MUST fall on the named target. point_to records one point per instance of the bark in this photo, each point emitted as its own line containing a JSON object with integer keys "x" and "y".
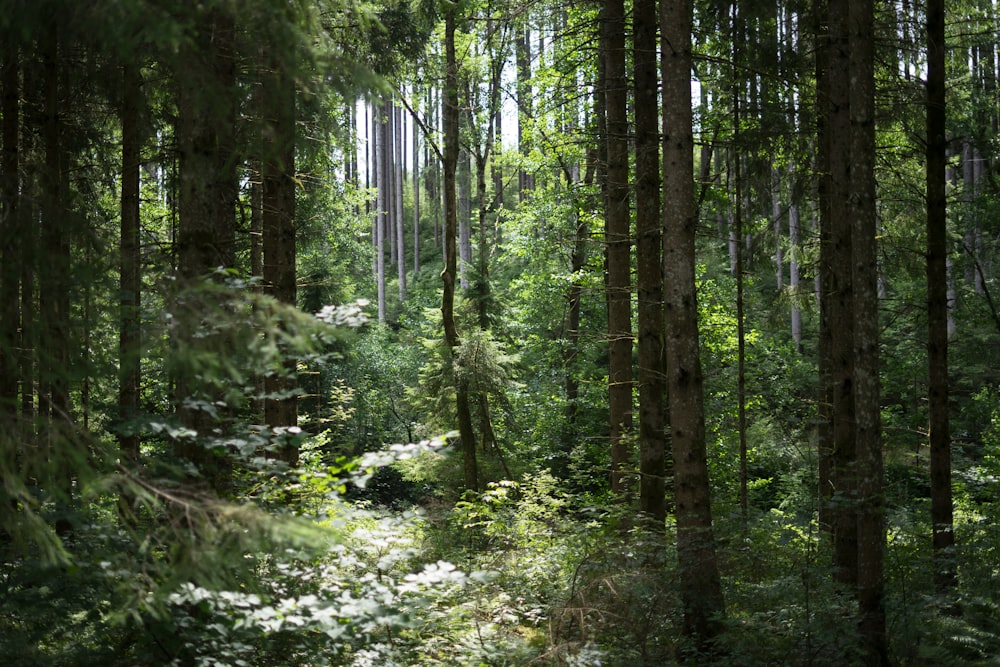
{"x": 868, "y": 427}
{"x": 208, "y": 190}
{"x": 449, "y": 274}
{"x": 649, "y": 268}
{"x": 700, "y": 586}
{"x": 823, "y": 279}
{"x": 617, "y": 242}
{"x": 416, "y": 199}
{"x": 840, "y": 291}
{"x": 943, "y": 536}
{"x": 10, "y": 252}
{"x": 278, "y": 228}
{"x": 129, "y": 342}
{"x": 398, "y": 180}
{"x": 522, "y": 51}
{"x": 379, "y": 136}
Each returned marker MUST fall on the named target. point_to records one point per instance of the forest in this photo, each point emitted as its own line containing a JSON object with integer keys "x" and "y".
{"x": 480, "y": 333}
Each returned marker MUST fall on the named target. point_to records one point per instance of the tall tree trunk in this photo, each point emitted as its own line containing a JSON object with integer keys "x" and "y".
{"x": 522, "y": 51}
{"x": 464, "y": 216}
{"x": 208, "y": 190}
{"x": 415, "y": 175}
{"x": 398, "y": 179}
{"x": 700, "y": 586}
{"x": 278, "y": 227}
{"x": 10, "y": 235}
{"x": 130, "y": 283}
{"x": 449, "y": 275}
{"x": 840, "y": 290}
{"x": 871, "y": 515}
{"x": 379, "y": 136}
{"x": 824, "y": 273}
{"x": 649, "y": 267}
{"x": 943, "y": 540}
{"x": 794, "y": 252}
{"x": 617, "y": 242}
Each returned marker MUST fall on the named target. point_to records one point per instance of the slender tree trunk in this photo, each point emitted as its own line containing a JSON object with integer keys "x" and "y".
{"x": 649, "y": 267}
{"x": 824, "y": 273}
{"x": 449, "y": 275}
{"x": 208, "y": 190}
{"x": 55, "y": 285}
{"x": 617, "y": 242}
{"x": 464, "y": 216}
{"x": 794, "y": 252}
{"x": 843, "y": 472}
{"x": 416, "y": 197}
{"x": 871, "y": 515}
{"x": 522, "y": 50}
{"x": 379, "y": 136}
{"x": 278, "y": 227}
{"x": 943, "y": 541}
{"x": 398, "y": 201}
{"x": 130, "y": 283}
{"x": 700, "y": 585}
{"x": 10, "y": 251}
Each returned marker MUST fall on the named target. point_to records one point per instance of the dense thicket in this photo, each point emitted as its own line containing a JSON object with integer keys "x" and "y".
{"x": 688, "y": 305}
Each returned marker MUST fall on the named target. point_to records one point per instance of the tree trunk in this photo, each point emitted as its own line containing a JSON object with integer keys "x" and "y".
{"x": 871, "y": 515}
{"x": 943, "y": 541}
{"x": 278, "y": 226}
{"x": 448, "y": 276}
{"x": 617, "y": 242}
{"x": 840, "y": 290}
{"x": 208, "y": 189}
{"x": 379, "y": 136}
{"x": 130, "y": 282}
{"x": 649, "y": 268}
{"x": 700, "y": 586}
{"x": 10, "y": 251}
{"x": 398, "y": 201}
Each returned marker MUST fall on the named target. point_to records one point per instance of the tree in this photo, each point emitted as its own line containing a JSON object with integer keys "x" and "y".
{"x": 206, "y": 116}
{"x": 701, "y": 588}
{"x": 449, "y": 274}
{"x": 649, "y": 266}
{"x": 130, "y": 279}
{"x": 617, "y": 239}
{"x": 278, "y": 229}
{"x": 943, "y": 540}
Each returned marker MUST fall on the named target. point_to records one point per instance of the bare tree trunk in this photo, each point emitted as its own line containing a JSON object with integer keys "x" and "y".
{"x": 416, "y": 199}
{"x": 943, "y": 535}
{"x": 700, "y": 585}
{"x": 649, "y": 268}
{"x": 10, "y": 236}
{"x": 379, "y": 135}
{"x": 871, "y": 515}
{"x": 398, "y": 201}
{"x": 278, "y": 223}
{"x": 130, "y": 284}
{"x": 617, "y": 242}
{"x": 448, "y": 276}
{"x": 842, "y": 472}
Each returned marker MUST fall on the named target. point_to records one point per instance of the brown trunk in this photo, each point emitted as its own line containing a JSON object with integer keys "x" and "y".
{"x": 867, "y": 413}
{"x": 617, "y": 241}
{"x": 943, "y": 541}
{"x": 649, "y": 268}
{"x": 10, "y": 252}
{"x": 278, "y": 227}
{"x": 700, "y": 585}
{"x": 129, "y": 342}
{"x": 448, "y": 276}
{"x": 843, "y": 473}
{"x": 208, "y": 190}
